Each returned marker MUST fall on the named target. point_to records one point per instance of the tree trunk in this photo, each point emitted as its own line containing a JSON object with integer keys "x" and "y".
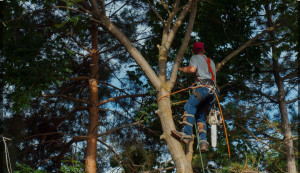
{"x": 182, "y": 163}
{"x": 288, "y": 140}
{"x": 286, "y": 128}
{"x": 91, "y": 153}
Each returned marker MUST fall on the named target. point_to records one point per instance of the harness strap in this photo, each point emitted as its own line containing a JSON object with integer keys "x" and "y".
{"x": 201, "y": 131}
{"x": 204, "y": 141}
{"x": 187, "y": 115}
{"x": 185, "y": 122}
{"x": 210, "y": 69}
{"x": 186, "y": 137}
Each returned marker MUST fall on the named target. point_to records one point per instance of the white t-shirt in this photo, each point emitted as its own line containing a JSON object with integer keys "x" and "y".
{"x": 199, "y": 61}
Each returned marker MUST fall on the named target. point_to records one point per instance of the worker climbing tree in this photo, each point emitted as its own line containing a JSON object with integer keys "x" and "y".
{"x": 202, "y": 99}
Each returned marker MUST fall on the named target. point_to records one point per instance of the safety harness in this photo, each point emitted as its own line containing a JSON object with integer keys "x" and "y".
{"x": 211, "y": 81}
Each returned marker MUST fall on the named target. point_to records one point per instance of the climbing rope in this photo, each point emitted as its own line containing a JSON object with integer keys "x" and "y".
{"x": 217, "y": 101}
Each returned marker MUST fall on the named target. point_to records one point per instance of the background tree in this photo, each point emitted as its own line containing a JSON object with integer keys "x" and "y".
{"x": 53, "y": 124}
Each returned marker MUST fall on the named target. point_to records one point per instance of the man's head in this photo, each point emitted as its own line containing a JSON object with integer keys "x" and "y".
{"x": 198, "y": 47}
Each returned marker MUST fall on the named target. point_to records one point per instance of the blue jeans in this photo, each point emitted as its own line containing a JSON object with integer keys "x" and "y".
{"x": 199, "y": 109}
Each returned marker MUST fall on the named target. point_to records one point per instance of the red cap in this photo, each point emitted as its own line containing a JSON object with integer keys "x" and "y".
{"x": 198, "y": 46}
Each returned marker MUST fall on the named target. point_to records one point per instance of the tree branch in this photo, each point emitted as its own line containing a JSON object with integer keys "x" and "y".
{"x": 113, "y": 87}
{"x": 271, "y": 98}
{"x": 61, "y": 119}
{"x": 120, "y": 97}
{"x": 118, "y": 158}
{"x": 66, "y": 97}
{"x": 74, "y": 9}
{"x": 155, "y": 12}
{"x": 140, "y": 60}
{"x": 80, "y": 45}
{"x": 259, "y": 139}
{"x": 95, "y": 7}
{"x": 177, "y": 24}
{"x": 103, "y": 7}
{"x": 290, "y": 75}
{"x": 183, "y": 46}
{"x": 234, "y": 53}
{"x": 293, "y": 100}
{"x": 119, "y": 128}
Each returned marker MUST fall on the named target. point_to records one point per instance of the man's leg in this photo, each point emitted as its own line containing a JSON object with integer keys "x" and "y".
{"x": 202, "y": 130}
{"x": 188, "y": 119}
{"x": 203, "y": 110}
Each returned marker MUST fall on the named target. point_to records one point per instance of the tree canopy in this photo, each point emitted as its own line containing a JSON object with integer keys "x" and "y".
{"x": 81, "y": 80}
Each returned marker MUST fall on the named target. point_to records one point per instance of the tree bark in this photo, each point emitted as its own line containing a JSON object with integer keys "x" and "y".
{"x": 183, "y": 164}
{"x": 91, "y": 153}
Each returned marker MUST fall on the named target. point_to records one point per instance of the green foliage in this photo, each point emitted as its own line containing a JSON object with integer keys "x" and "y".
{"x": 69, "y": 166}
{"x": 23, "y": 168}
{"x": 72, "y": 166}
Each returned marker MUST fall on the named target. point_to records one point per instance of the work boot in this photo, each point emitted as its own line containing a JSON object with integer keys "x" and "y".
{"x": 203, "y": 147}
{"x": 181, "y": 136}
{"x": 203, "y": 143}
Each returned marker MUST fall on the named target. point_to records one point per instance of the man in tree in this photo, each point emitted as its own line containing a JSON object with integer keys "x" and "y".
{"x": 200, "y": 102}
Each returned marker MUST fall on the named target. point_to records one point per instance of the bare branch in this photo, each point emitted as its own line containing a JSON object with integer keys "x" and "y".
{"x": 80, "y": 45}
{"x": 177, "y": 24}
{"x": 118, "y": 9}
{"x": 271, "y": 41}
{"x": 120, "y": 97}
{"x": 74, "y": 9}
{"x": 183, "y": 46}
{"x": 271, "y": 98}
{"x": 140, "y": 60}
{"x": 66, "y": 97}
{"x": 234, "y": 53}
{"x": 95, "y": 7}
{"x": 103, "y": 7}
{"x": 166, "y": 7}
{"x": 293, "y": 100}
{"x": 155, "y": 12}
{"x": 113, "y": 87}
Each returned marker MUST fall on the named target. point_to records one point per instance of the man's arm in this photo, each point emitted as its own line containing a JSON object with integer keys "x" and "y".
{"x": 188, "y": 69}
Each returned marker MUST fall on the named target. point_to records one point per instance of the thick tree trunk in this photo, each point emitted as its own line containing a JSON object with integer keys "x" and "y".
{"x": 182, "y": 163}
{"x": 91, "y": 153}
